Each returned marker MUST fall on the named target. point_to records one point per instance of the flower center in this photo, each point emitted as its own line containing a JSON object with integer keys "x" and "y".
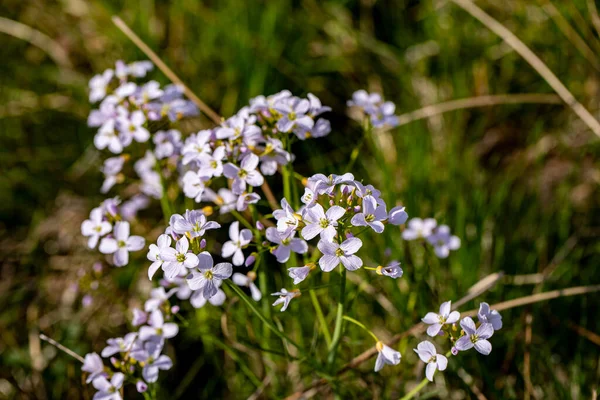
{"x": 292, "y": 116}
{"x": 324, "y": 223}
{"x": 286, "y": 241}
{"x": 242, "y": 173}
{"x": 442, "y": 319}
{"x": 369, "y": 217}
{"x": 98, "y": 228}
{"x": 213, "y": 164}
{"x": 474, "y": 338}
{"x": 339, "y": 252}
{"x": 121, "y": 243}
{"x": 433, "y": 359}
{"x": 180, "y": 257}
{"x": 208, "y": 274}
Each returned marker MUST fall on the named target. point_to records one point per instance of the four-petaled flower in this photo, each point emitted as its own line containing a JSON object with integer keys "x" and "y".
{"x": 154, "y": 253}
{"x": 386, "y": 355}
{"x": 239, "y": 240}
{"x": 95, "y": 227}
{"x": 475, "y": 337}
{"x": 320, "y": 222}
{"x": 437, "y": 321}
{"x": 209, "y": 277}
{"x": 428, "y": 354}
{"x": 121, "y": 244}
{"x": 372, "y": 214}
{"x": 490, "y": 316}
{"x": 334, "y": 253}
{"x": 285, "y": 244}
{"x": 177, "y": 260}
{"x": 285, "y": 297}
{"x": 244, "y": 174}
{"x": 158, "y": 327}
{"x": 108, "y": 390}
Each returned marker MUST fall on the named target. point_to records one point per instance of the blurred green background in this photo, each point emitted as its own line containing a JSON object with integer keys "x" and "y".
{"x": 518, "y": 183}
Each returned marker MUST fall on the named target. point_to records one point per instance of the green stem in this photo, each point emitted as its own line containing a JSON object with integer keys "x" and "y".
{"x": 243, "y": 220}
{"x": 416, "y": 390}
{"x": 255, "y": 310}
{"x": 320, "y": 317}
{"x": 164, "y": 200}
{"x": 339, "y": 319}
{"x": 247, "y": 371}
{"x": 355, "y": 322}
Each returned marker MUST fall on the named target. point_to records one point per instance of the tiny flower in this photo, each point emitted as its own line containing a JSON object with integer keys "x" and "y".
{"x": 108, "y": 390}
{"x": 475, "y": 337}
{"x": 397, "y": 216}
{"x": 428, "y": 354}
{"x": 419, "y": 228}
{"x": 334, "y": 253}
{"x": 239, "y": 240}
{"x": 285, "y": 245}
{"x": 154, "y": 253}
{"x": 490, "y": 316}
{"x": 287, "y": 219}
{"x": 197, "y": 300}
{"x": 209, "y": 278}
{"x": 133, "y": 125}
{"x": 139, "y": 317}
{"x": 285, "y": 297}
{"x": 246, "y": 199}
{"x": 118, "y": 345}
{"x": 95, "y": 227}
{"x": 250, "y": 260}
{"x": 248, "y": 281}
{"x": 177, "y": 260}
{"x": 92, "y": 364}
{"x": 121, "y": 244}
{"x": 320, "y": 222}
{"x": 393, "y": 270}
{"x": 154, "y": 363}
{"x": 294, "y": 112}
{"x": 299, "y": 273}
{"x": 386, "y": 355}
{"x": 108, "y": 137}
{"x": 196, "y": 147}
{"x": 193, "y": 185}
{"x": 194, "y": 223}
{"x": 141, "y": 386}
{"x": 442, "y": 241}
{"x": 437, "y": 321}
{"x": 158, "y": 297}
{"x": 158, "y": 327}
{"x": 372, "y": 215}
{"x": 98, "y": 85}
{"x": 244, "y": 174}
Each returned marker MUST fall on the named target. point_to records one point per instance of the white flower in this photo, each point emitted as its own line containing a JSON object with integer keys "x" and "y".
{"x": 95, "y": 227}
{"x": 428, "y": 354}
{"x": 121, "y": 244}
{"x": 386, "y": 355}
{"x": 239, "y": 240}
{"x": 177, "y": 260}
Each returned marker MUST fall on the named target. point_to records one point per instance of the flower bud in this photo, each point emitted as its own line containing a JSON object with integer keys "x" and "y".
{"x": 250, "y": 260}
{"x": 259, "y": 226}
{"x": 141, "y": 386}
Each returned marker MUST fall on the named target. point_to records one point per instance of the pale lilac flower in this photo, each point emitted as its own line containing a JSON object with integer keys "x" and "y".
{"x": 108, "y": 390}
{"x": 285, "y": 245}
{"x": 475, "y": 337}
{"x": 154, "y": 363}
{"x": 320, "y": 222}
{"x": 244, "y": 174}
{"x": 239, "y": 240}
{"x": 418, "y": 228}
{"x": 437, "y": 321}
{"x": 93, "y": 365}
{"x": 167, "y": 143}
{"x": 95, "y": 227}
{"x": 322, "y": 128}
{"x": 209, "y": 278}
{"x": 141, "y": 386}
{"x": 273, "y": 156}
{"x": 111, "y": 168}
{"x": 130, "y": 208}
{"x": 372, "y": 215}
{"x": 158, "y": 327}
{"x": 321, "y": 184}
{"x": 119, "y": 345}
{"x": 334, "y": 253}
{"x": 248, "y": 281}
{"x": 293, "y": 112}
{"x": 308, "y": 198}
{"x": 393, "y": 270}
{"x": 193, "y": 185}
{"x": 197, "y": 300}
{"x": 177, "y": 260}
{"x": 397, "y": 216}
{"x": 367, "y": 190}
{"x": 108, "y": 137}
{"x": 196, "y": 147}
{"x": 490, "y": 316}
{"x": 139, "y": 69}
{"x": 134, "y": 125}
{"x": 111, "y": 206}
{"x": 121, "y": 244}
{"x": 246, "y": 199}
{"x": 236, "y": 127}
{"x": 194, "y": 223}
{"x": 316, "y": 107}
{"x": 442, "y": 241}
{"x": 384, "y": 115}
{"x": 158, "y": 297}
{"x": 98, "y": 85}
{"x": 149, "y": 91}
{"x": 285, "y": 297}
{"x": 298, "y": 274}
{"x": 287, "y": 219}
{"x": 428, "y": 354}
{"x": 139, "y": 317}
{"x": 366, "y": 101}
{"x": 386, "y": 355}
{"x": 125, "y": 90}
{"x": 213, "y": 165}
{"x": 154, "y": 253}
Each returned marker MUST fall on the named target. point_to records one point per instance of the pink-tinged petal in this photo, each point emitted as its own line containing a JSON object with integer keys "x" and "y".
{"x": 222, "y": 270}
{"x": 273, "y": 235}
{"x": 468, "y": 325}
{"x": 108, "y": 246}
{"x": 328, "y": 263}
{"x": 122, "y": 230}
{"x": 153, "y": 268}
{"x": 434, "y": 329}
{"x": 453, "y": 317}
{"x": 230, "y": 171}
{"x": 135, "y": 243}
{"x": 397, "y": 216}
{"x": 101, "y": 384}
{"x": 352, "y": 263}
{"x": 254, "y": 178}
{"x": 205, "y": 261}
{"x": 299, "y": 246}
{"x": 442, "y": 362}
{"x": 170, "y": 330}
{"x": 358, "y": 220}
{"x": 196, "y": 280}
{"x": 430, "y": 370}
{"x": 327, "y": 248}
{"x": 431, "y": 318}
{"x": 351, "y": 246}
{"x": 245, "y": 236}
{"x": 311, "y": 230}
{"x": 121, "y": 257}
{"x": 445, "y": 309}
{"x": 335, "y": 213}
{"x": 464, "y": 343}
{"x": 483, "y": 346}
{"x": 441, "y": 251}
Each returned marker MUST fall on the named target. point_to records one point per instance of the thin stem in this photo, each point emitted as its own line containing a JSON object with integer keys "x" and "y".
{"x": 339, "y": 319}
{"x": 165, "y": 69}
{"x": 255, "y": 310}
{"x": 61, "y": 347}
{"x": 416, "y": 390}
{"x": 355, "y": 322}
{"x": 320, "y": 317}
{"x": 243, "y": 220}
{"x": 247, "y": 371}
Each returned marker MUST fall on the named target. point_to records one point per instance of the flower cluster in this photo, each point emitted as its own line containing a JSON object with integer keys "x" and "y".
{"x": 470, "y": 336}
{"x": 436, "y": 235}
{"x": 379, "y": 112}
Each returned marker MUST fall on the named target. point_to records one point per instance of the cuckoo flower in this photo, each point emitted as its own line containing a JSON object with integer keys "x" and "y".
{"x": 239, "y": 240}
{"x": 108, "y": 390}
{"x": 419, "y": 228}
{"x": 244, "y": 174}
{"x": 196, "y": 147}
{"x": 154, "y": 254}
{"x": 428, "y": 354}
{"x": 397, "y": 216}
{"x": 386, "y": 355}
{"x": 121, "y": 244}
{"x": 209, "y": 276}
{"x": 154, "y": 363}
{"x": 133, "y": 125}
{"x": 287, "y": 219}
{"x": 177, "y": 260}
{"x": 437, "y": 321}
{"x": 119, "y": 345}
{"x": 372, "y": 215}
{"x": 194, "y": 223}
{"x": 334, "y": 253}
{"x": 193, "y": 185}
{"x": 442, "y": 241}
{"x": 294, "y": 112}
{"x": 285, "y": 245}
{"x": 490, "y": 316}
{"x": 298, "y": 274}
{"x": 285, "y": 297}
{"x": 158, "y": 327}
{"x": 475, "y": 337}
{"x": 393, "y": 270}
{"x": 248, "y": 281}
{"x": 95, "y": 227}
{"x": 93, "y": 365}
{"x": 320, "y": 222}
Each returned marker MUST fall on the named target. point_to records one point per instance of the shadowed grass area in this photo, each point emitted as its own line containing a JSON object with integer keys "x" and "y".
{"x": 518, "y": 183}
